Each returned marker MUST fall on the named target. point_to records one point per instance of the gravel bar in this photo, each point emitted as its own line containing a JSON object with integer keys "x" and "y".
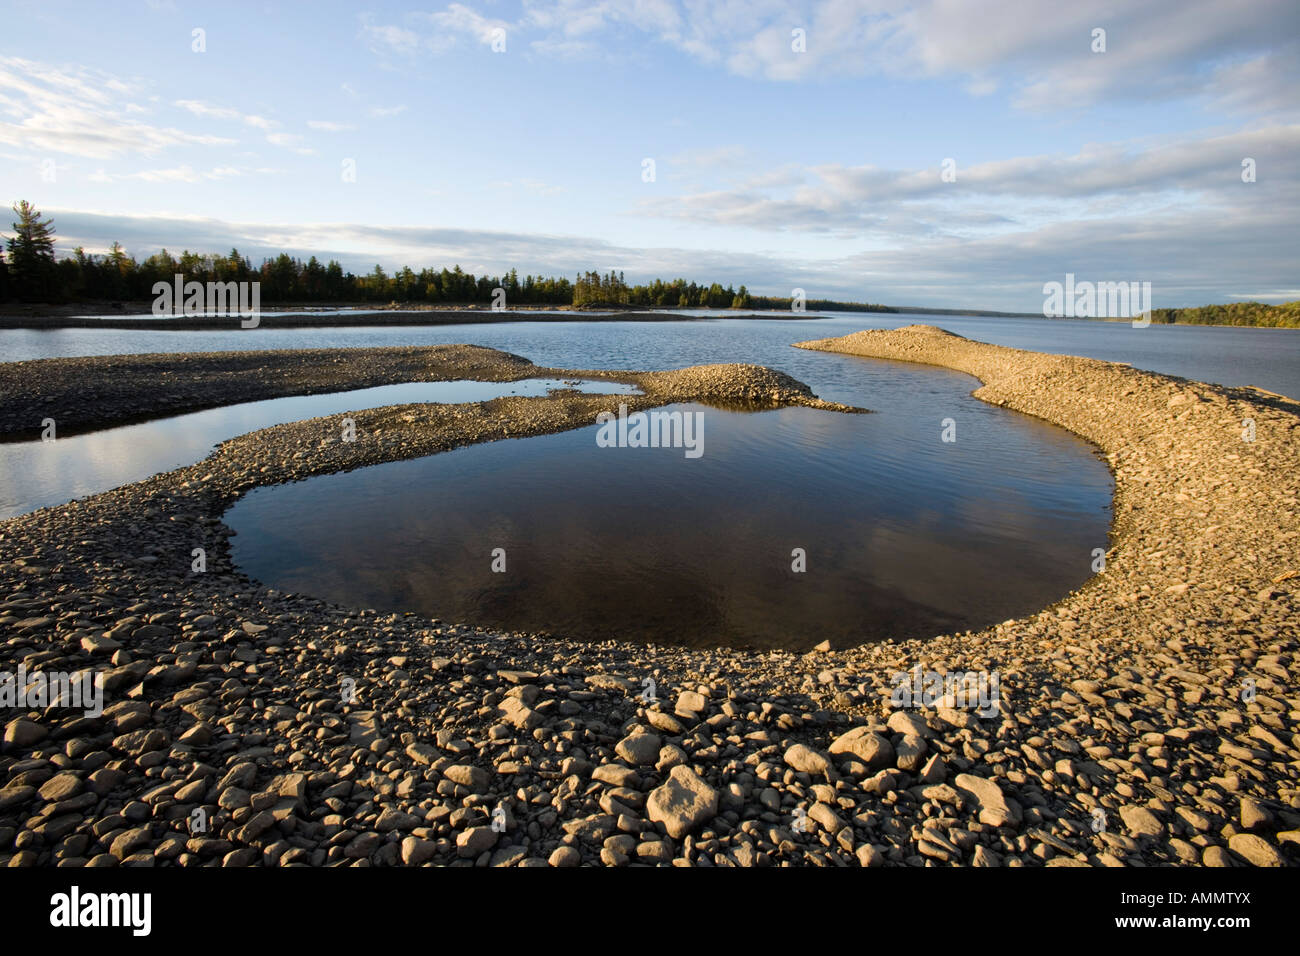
{"x": 82, "y": 394}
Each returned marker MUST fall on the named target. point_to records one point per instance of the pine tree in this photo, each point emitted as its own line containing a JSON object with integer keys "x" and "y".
{"x": 119, "y": 268}
{"x": 31, "y": 254}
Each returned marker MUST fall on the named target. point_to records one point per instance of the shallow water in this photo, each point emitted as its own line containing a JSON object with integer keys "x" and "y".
{"x": 1269, "y": 358}
{"x": 905, "y": 535}
{"x": 38, "y": 474}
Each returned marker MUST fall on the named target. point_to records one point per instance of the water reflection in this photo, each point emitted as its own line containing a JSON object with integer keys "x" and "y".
{"x": 645, "y": 544}
{"x": 37, "y": 474}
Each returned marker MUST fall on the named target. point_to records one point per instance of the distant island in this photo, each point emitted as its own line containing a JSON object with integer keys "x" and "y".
{"x": 36, "y": 285}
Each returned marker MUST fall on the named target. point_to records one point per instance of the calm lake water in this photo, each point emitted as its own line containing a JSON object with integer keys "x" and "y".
{"x": 1269, "y": 358}
{"x": 37, "y": 473}
{"x": 905, "y": 535}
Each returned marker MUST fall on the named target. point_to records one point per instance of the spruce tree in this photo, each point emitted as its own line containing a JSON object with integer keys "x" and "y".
{"x": 31, "y": 254}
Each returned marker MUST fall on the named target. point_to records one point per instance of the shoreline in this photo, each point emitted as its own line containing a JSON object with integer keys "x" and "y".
{"x": 1124, "y": 697}
{"x": 135, "y": 388}
{"x": 138, "y": 316}
{"x": 377, "y": 318}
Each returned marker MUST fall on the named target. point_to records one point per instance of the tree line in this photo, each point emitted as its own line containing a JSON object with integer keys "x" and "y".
{"x": 1284, "y": 316}
{"x": 32, "y": 273}
{"x": 593, "y": 290}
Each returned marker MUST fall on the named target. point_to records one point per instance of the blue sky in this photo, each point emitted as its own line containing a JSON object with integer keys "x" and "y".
{"x": 774, "y": 167}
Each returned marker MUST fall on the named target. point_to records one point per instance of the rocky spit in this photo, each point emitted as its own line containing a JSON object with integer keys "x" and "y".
{"x": 1147, "y": 719}
{"x": 103, "y": 390}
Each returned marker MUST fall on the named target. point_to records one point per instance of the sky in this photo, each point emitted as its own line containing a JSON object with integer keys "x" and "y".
{"x": 928, "y": 153}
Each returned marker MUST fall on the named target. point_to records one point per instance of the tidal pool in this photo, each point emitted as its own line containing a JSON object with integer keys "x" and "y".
{"x": 903, "y": 534}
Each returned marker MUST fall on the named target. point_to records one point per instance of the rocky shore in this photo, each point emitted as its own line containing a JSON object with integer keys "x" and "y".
{"x": 100, "y": 391}
{"x": 1149, "y": 718}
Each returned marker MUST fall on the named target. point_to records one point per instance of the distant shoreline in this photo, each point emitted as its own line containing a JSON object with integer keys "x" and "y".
{"x": 371, "y": 317}
{"x": 139, "y": 316}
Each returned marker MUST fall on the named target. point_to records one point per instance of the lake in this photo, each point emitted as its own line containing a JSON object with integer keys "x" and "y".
{"x": 1269, "y": 358}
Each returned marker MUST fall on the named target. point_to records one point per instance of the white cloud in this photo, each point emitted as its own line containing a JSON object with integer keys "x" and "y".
{"x": 1243, "y": 56}
{"x": 435, "y": 32}
{"x": 386, "y": 39}
{"x": 460, "y": 19}
{"x": 709, "y": 157}
{"x": 184, "y": 174}
{"x": 328, "y": 126}
{"x": 73, "y": 110}
{"x": 209, "y": 111}
{"x": 289, "y": 141}
{"x": 1099, "y": 180}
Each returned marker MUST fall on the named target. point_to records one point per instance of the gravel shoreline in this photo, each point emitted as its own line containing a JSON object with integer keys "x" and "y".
{"x": 1121, "y": 736}
{"x": 87, "y": 393}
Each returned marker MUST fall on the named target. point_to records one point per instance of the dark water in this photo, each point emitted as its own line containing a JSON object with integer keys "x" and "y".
{"x": 1269, "y": 358}
{"x": 905, "y": 535}
{"x": 37, "y": 473}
